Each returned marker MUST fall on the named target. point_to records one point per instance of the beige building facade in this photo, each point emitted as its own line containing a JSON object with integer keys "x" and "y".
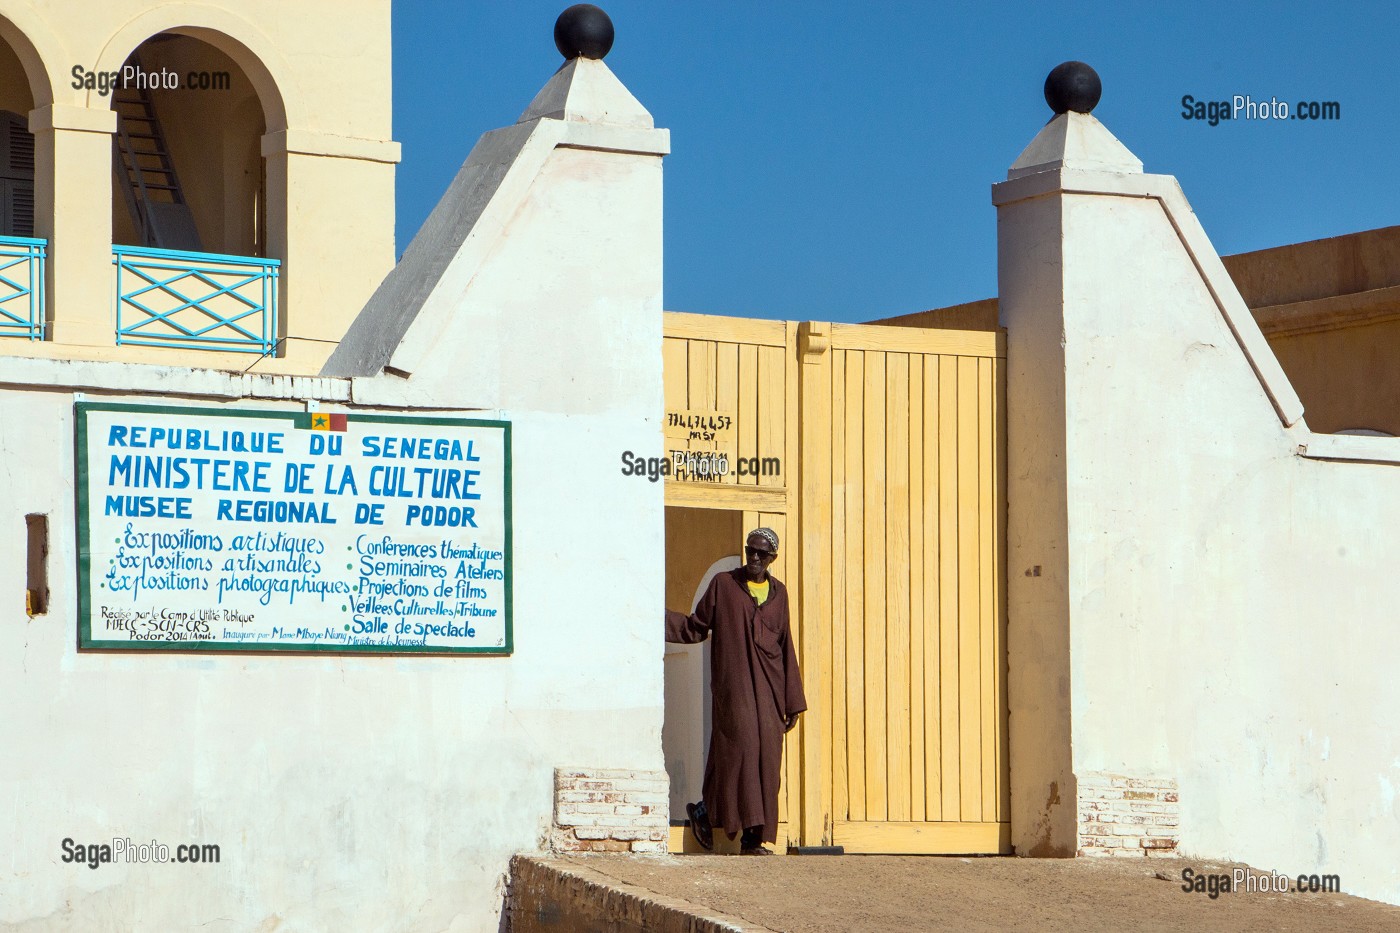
{"x": 207, "y": 184}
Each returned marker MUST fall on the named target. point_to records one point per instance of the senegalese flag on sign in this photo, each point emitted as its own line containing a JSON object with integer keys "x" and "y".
{"x": 320, "y": 421}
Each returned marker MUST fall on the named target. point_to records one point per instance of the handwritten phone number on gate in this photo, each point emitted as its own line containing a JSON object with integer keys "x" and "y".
{"x": 696, "y": 422}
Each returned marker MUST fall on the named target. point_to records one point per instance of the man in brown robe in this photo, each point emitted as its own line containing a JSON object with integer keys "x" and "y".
{"x": 757, "y": 695}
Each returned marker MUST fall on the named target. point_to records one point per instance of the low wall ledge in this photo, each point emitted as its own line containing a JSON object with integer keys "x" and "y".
{"x": 1351, "y": 447}
{"x": 118, "y": 378}
{"x": 605, "y": 138}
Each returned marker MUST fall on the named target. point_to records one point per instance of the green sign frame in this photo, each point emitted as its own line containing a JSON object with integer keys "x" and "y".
{"x": 294, "y": 419}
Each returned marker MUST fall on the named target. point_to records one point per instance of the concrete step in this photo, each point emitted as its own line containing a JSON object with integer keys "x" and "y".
{"x": 549, "y": 895}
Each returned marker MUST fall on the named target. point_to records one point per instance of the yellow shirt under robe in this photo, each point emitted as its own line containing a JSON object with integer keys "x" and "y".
{"x": 759, "y": 591}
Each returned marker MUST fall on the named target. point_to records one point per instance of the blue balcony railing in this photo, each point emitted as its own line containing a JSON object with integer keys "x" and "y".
{"x": 195, "y": 301}
{"x": 22, "y": 287}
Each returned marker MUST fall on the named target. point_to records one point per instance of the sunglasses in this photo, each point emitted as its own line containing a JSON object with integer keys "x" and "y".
{"x": 758, "y": 552}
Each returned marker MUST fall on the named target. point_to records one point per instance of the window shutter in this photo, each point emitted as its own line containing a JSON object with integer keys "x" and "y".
{"x": 16, "y": 147}
{"x": 20, "y": 149}
{"x": 16, "y": 176}
{"x": 19, "y": 209}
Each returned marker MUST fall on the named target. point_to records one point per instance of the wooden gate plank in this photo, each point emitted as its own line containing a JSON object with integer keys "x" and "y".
{"x": 790, "y": 781}
{"x": 772, "y": 409}
{"x": 807, "y": 470}
{"x": 727, "y": 392}
{"x": 924, "y": 838}
{"x": 746, "y": 425}
{"x": 986, "y": 575}
{"x": 743, "y": 330}
{"x": 855, "y": 582}
{"x": 948, "y": 582}
{"x": 836, "y": 729}
{"x": 917, "y": 622}
{"x": 969, "y": 593}
{"x": 917, "y": 340}
{"x": 876, "y": 788}
{"x": 897, "y": 738}
{"x": 700, "y": 382}
{"x": 933, "y": 746}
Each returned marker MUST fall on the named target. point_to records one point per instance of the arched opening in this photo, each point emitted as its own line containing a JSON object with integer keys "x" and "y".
{"x": 21, "y": 257}
{"x": 190, "y": 198}
{"x": 187, "y": 158}
{"x": 16, "y": 146}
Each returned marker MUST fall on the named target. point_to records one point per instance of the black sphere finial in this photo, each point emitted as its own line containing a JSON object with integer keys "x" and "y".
{"x": 583, "y": 31}
{"x": 1073, "y": 86}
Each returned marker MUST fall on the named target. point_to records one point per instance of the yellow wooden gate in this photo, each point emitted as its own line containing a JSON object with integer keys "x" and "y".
{"x": 891, "y": 503}
{"x": 902, "y": 515}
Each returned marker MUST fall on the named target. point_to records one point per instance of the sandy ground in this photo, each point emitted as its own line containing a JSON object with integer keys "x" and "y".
{"x": 885, "y": 894}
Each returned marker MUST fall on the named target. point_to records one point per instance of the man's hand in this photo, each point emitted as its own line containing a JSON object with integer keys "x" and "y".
{"x": 790, "y": 722}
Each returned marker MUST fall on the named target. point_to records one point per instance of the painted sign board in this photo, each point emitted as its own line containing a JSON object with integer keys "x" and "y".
{"x": 215, "y": 529}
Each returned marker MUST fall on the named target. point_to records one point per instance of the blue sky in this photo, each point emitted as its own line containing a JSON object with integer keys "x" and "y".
{"x": 833, "y": 161}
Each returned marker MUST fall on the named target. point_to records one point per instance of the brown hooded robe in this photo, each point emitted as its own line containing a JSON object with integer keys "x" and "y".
{"x": 755, "y": 686}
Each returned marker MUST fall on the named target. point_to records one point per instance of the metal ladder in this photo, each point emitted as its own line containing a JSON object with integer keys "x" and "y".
{"x": 147, "y": 174}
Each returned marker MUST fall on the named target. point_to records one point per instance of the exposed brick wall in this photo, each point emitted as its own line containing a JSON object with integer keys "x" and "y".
{"x": 610, "y": 810}
{"x": 1130, "y": 816}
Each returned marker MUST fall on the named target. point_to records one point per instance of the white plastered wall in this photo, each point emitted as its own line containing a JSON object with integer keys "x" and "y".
{"x": 359, "y": 793}
{"x": 1215, "y": 599}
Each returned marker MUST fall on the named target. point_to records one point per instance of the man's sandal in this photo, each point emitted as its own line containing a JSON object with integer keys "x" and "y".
{"x": 700, "y": 825}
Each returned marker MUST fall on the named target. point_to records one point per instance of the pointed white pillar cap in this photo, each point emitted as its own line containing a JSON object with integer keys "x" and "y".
{"x": 1075, "y": 141}
{"x": 585, "y": 90}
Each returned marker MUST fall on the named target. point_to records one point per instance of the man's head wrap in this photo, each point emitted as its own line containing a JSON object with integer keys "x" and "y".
{"x": 769, "y": 535}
